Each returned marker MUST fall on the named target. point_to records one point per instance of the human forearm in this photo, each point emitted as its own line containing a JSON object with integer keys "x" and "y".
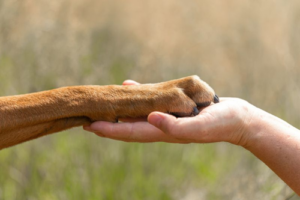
{"x": 277, "y": 144}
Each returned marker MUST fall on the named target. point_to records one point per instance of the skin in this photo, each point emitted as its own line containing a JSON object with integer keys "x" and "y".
{"x": 233, "y": 120}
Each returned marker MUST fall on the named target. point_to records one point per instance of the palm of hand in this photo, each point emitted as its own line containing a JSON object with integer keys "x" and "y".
{"x": 224, "y": 121}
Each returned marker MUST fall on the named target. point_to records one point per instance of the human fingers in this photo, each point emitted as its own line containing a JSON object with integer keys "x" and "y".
{"x": 175, "y": 127}
{"x": 131, "y": 132}
{"x": 130, "y": 82}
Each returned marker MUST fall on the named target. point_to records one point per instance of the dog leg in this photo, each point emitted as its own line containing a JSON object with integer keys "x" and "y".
{"x": 29, "y": 116}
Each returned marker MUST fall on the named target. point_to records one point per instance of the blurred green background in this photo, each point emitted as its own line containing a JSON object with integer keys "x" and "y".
{"x": 242, "y": 48}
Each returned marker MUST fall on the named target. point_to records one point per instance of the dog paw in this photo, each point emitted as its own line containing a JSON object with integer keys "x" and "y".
{"x": 186, "y": 95}
{"x": 181, "y": 98}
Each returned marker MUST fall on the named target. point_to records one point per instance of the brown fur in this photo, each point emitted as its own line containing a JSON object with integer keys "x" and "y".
{"x": 29, "y": 116}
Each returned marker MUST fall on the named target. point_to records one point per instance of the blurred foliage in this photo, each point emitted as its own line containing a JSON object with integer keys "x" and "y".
{"x": 244, "y": 48}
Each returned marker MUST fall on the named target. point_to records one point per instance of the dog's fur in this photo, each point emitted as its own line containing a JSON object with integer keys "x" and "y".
{"x": 29, "y": 116}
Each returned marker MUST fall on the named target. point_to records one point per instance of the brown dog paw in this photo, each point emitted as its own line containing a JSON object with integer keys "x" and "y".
{"x": 181, "y": 98}
{"x": 184, "y": 96}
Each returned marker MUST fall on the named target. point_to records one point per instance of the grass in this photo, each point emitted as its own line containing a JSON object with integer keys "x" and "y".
{"x": 103, "y": 169}
{"x": 241, "y": 48}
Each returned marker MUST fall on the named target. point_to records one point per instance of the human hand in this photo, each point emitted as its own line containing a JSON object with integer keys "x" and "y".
{"x": 233, "y": 120}
{"x": 224, "y": 121}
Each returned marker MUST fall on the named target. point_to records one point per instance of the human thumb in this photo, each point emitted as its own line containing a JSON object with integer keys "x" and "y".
{"x": 161, "y": 120}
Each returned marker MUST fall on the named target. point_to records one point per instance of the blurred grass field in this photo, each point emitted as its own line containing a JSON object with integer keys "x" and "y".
{"x": 242, "y": 48}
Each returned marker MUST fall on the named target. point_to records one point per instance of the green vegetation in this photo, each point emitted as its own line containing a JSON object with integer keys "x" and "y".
{"x": 241, "y": 48}
{"x": 76, "y": 165}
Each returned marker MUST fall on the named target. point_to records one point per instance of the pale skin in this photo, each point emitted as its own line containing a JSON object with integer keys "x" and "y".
{"x": 233, "y": 120}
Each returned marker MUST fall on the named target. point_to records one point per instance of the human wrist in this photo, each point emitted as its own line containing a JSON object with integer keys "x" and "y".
{"x": 262, "y": 128}
{"x": 249, "y": 125}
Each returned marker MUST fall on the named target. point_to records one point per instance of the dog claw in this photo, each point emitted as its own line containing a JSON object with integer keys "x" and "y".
{"x": 216, "y": 99}
{"x": 195, "y": 111}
